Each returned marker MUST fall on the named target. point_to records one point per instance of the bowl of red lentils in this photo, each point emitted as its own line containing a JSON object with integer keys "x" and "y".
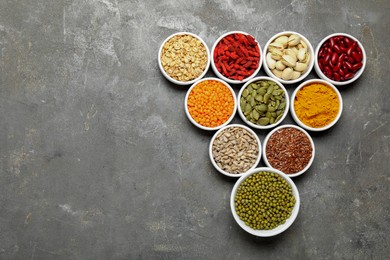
{"x": 289, "y": 149}
{"x": 236, "y": 57}
{"x": 234, "y": 150}
{"x": 184, "y": 58}
{"x": 288, "y": 57}
{"x": 210, "y": 104}
{"x": 316, "y": 105}
{"x": 340, "y": 58}
{"x": 263, "y": 102}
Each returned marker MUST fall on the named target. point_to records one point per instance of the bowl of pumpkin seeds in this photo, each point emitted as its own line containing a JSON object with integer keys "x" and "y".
{"x": 263, "y": 103}
{"x": 264, "y": 202}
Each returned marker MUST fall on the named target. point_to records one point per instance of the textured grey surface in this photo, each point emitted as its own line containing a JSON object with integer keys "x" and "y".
{"x": 98, "y": 160}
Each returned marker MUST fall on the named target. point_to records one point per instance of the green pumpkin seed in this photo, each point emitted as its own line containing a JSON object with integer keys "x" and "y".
{"x": 266, "y": 98}
{"x": 245, "y": 92}
{"x": 264, "y": 84}
{"x": 272, "y": 120}
{"x": 248, "y": 109}
{"x": 278, "y": 118}
{"x": 252, "y": 101}
{"x": 270, "y": 89}
{"x": 263, "y": 121}
{"x": 259, "y": 98}
{"x": 262, "y": 91}
{"x": 255, "y": 115}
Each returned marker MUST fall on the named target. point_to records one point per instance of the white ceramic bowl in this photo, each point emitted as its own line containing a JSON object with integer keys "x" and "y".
{"x": 260, "y": 126}
{"x": 294, "y": 115}
{"x": 309, "y": 67}
{"x": 177, "y": 81}
{"x": 205, "y": 127}
{"x": 219, "y": 75}
{"x": 211, "y": 149}
{"x": 279, "y": 229}
{"x": 357, "y": 74}
{"x": 300, "y": 129}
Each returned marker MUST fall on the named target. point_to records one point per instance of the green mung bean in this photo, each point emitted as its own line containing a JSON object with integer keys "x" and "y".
{"x": 264, "y": 200}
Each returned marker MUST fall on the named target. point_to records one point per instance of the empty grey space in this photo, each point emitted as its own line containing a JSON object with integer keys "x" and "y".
{"x": 98, "y": 159}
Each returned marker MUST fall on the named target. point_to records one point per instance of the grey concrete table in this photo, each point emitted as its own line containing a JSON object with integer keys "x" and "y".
{"x": 98, "y": 160}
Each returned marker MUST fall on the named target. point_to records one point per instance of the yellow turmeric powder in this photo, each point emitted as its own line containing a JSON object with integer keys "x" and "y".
{"x": 316, "y": 105}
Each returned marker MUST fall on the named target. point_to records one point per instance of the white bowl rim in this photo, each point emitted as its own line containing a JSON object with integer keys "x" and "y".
{"x": 184, "y": 83}
{"x": 357, "y": 74}
{"x": 299, "y": 122}
{"x": 279, "y": 229}
{"x": 211, "y": 149}
{"x": 308, "y": 70}
{"x": 300, "y": 129}
{"x": 219, "y": 75}
{"x": 205, "y": 127}
{"x": 285, "y": 109}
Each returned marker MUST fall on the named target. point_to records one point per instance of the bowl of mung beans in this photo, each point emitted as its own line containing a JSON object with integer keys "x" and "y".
{"x": 210, "y": 104}
{"x": 235, "y": 149}
{"x": 263, "y": 102}
{"x": 264, "y": 202}
{"x": 184, "y": 58}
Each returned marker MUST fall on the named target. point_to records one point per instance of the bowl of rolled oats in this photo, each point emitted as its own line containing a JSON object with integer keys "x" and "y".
{"x": 234, "y": 150}
{"x": 184, "y": 58}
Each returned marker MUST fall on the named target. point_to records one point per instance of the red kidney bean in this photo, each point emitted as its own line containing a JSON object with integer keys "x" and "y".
{"x": 335, "y": 58}
{"x": 337, "y": 49}
{"x": 343, "y": 49}
{"x": 357, "y": 56}
{"x": 336, "y": 76}
{"x": 357, "y": 66}
{"x": 331, "y": 41}
{"x": 347, "y": 41}
{"x": 327, "y": 70}
{"x": 327, "y": 58}
{"x": 350, "y": 59}
{"x": 340, "y": 57}
{"x": 351, "y": 48}
{"x": 348, "y": 65}
{"x": 349, "y": 76}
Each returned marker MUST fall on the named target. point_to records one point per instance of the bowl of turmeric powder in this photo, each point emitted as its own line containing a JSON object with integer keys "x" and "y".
{"x": 210, "y": 104}
{"x": 316, "y": 105}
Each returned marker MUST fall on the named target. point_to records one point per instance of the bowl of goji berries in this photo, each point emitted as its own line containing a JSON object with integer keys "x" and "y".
{"x": 236, "y": 57}
{"x": 184, "y": 58}
{"x": 210, "y": 104}
{"x": 340, "y": 59}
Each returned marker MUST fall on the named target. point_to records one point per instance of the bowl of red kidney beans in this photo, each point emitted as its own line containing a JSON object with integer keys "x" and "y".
{"x": 236, "y": 57}
{"x": 340, "y": 58}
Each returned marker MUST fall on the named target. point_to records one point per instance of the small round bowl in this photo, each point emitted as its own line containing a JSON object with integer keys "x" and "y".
{"x": 299, "y": 122}
{"x": 309, "y": 67}
{"x": 260, "y": 126}
{"x": 219, "y": 75}
{"x": 279, "y": 229}
{"x": 211, "y": 149}
{"x": 177, "y": 81}
{"x": 357, "y": 74}
{"x": 205, "y": 127}
{"x": 300, "y": 129}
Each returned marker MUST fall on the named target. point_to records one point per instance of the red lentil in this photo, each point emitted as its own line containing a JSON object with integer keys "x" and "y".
{"x": 210, "y": 103}
{"x": 289, "y": 150}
